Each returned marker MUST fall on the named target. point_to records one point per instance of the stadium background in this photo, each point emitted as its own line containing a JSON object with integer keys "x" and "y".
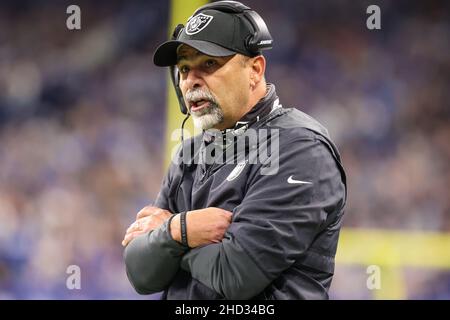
{"x": 83, "y": 136}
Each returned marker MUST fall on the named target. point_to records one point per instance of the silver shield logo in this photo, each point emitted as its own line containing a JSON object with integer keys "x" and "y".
{"x": 198, "y": 23}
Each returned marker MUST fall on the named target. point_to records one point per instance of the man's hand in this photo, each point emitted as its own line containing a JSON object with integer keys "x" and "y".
{"x": 149, "y": 218}
{"x": 204, "y": 226}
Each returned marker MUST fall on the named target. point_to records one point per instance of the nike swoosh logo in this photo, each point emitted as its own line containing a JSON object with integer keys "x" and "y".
{"x": 290, "y": 180}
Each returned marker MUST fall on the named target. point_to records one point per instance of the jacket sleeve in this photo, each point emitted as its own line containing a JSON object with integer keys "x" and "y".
{"x": 276, "y": 222}
{"x": 152, "y": 259}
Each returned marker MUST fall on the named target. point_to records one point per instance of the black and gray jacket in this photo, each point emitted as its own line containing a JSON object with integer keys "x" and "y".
{"x": 287, "y": 212}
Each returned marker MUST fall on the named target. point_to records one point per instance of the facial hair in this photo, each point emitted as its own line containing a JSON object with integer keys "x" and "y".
{"x": 209, "y": 116}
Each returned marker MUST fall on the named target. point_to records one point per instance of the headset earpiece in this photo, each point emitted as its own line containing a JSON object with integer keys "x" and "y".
{"x": 177, "y": 31}
{"x": 261, "y": 39}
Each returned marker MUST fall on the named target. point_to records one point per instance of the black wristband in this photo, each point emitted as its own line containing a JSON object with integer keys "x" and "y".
{"x": 184, "y": 240}
{"x": 169, "y": 223}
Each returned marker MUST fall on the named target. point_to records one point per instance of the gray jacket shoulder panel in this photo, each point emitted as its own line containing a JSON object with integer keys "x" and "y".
{"x": 297, "y": 121}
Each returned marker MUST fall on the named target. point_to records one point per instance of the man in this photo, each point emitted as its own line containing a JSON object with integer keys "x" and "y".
{"x": 239, "y": 229}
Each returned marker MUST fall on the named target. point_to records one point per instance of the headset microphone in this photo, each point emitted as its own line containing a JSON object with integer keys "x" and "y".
{"x": 175, "y": 75}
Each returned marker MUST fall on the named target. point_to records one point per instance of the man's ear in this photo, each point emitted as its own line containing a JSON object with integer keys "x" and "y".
{"x": 258, "y": 68}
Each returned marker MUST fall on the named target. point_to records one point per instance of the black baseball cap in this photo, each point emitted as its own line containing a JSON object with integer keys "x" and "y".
{"x": 212, "y": 32}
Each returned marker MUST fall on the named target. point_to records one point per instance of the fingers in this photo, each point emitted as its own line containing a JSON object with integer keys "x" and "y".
{"x": 146, "y": 211}
{"x": 137, "y": 225}
{"x": 228, "y": 215}
{"x": 147, "y": 219}
{"x": 131, "y": 236}
{"x": 134, "y": 226}
{"x": 217, "y": 211}
{"x": 146, "y": 223}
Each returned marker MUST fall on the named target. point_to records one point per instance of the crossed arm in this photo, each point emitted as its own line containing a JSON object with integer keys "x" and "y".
{"x": 154, "y": 253}
{"x": 206, "y": 226}
{"x": 153, "y": 246}
{"x": 273, "y": 226}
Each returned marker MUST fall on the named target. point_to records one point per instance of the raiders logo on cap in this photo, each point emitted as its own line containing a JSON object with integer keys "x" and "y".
{"x": 198, "y": 23}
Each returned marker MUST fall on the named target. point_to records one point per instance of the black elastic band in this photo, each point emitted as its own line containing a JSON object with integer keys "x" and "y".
{"x": 169, "y": 223}
{"x": 184, "y": 240}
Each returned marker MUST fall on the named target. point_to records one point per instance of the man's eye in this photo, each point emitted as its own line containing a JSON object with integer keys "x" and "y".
{"x": 184, "y": 69}
{"x": 210, "y": 63}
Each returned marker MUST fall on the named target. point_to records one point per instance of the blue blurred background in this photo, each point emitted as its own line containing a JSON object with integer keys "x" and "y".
{"x": 82, "y": 129}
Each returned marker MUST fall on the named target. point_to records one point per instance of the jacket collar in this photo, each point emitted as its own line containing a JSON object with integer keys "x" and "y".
{"x": 260, "y": 111}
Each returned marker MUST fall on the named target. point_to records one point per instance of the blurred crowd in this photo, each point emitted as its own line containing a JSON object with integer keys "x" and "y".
{"x": 82, "y": 127}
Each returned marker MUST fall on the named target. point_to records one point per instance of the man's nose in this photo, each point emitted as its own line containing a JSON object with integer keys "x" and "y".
{"x": 194, "y": 79}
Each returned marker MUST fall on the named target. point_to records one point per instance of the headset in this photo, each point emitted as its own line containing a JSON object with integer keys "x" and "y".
{"x": 175, "y": 75}
{"x": 255, "y": 43}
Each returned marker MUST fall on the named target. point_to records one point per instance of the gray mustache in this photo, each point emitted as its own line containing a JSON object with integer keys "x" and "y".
{"x": 197, "y": 95}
